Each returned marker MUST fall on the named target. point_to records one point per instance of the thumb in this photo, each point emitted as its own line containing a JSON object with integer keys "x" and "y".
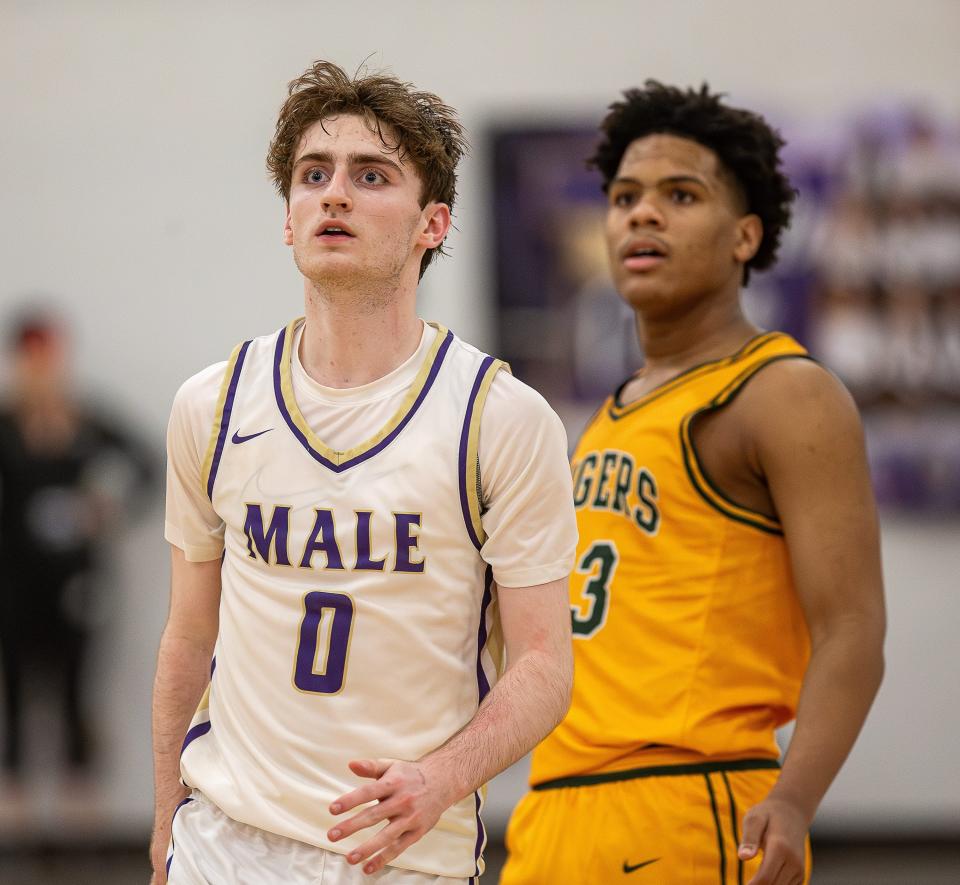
{"x": 754, "y": 828}
{"x": 370, "y": 767}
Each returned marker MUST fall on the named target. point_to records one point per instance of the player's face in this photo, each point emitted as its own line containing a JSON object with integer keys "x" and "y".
{"x": 40, "y": 364}
{"x": 354, "y": 212}
{"x": 676, "y": 228}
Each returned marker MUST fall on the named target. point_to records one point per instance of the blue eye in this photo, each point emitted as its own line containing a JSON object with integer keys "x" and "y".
{"x": 315, "y": 176}
{"x": 372, "y": 176}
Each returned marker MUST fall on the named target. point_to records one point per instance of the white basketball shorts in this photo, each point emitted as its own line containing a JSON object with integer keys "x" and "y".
{"x": 209, "y": 848}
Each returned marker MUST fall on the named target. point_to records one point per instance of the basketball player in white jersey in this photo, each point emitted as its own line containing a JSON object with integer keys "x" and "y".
{"x": 368, "y": 519}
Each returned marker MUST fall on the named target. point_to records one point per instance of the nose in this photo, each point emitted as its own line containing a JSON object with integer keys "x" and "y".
{"x": 336, "y": 195}
{"x": 646, "y": 214}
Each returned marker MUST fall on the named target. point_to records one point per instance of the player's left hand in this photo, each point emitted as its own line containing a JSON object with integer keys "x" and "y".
{"x": 405, "y": 797}
{"x": 777, "y": 828}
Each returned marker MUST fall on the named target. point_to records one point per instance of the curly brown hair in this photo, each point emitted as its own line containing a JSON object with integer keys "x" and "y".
{"x": 427, "y": 130}
{"x": 746, "y": 145}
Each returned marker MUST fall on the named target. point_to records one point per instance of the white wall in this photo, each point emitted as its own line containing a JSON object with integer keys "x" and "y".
{"x": 132, "y": 138}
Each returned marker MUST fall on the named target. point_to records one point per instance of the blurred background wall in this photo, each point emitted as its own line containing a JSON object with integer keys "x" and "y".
{"x": 134, "y": 199}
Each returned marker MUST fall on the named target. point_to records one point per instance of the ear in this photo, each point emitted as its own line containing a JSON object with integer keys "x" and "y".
{"x": 749, "y": 235}
{"x": 287, "y": 229}
{"x": 435, "y": 225}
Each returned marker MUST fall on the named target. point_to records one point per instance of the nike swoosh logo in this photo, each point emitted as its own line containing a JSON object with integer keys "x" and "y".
{"x": 242, "y": 439}
{"x": 627, "y": 868}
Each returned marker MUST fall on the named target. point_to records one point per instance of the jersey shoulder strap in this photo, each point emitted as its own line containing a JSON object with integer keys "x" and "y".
{"x": 471, "y": 486}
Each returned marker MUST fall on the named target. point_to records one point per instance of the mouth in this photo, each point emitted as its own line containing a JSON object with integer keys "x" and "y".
{"x": 643, "y": 255}
{"x": 331, "y": 231}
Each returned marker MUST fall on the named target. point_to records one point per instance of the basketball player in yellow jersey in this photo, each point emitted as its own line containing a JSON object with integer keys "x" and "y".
{"x": 728, "y": 572}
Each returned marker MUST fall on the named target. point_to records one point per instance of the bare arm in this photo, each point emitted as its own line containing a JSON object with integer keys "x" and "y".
{"x": 523, "y": 707}
{"x": 183, "y": 672}
{"x": 809, "y": 447}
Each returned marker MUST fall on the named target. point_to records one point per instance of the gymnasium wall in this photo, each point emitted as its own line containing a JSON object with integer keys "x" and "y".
{"x": 134, "y": 196}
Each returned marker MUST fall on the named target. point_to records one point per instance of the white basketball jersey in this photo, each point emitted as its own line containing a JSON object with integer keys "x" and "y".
{"x": 357, "y": 617}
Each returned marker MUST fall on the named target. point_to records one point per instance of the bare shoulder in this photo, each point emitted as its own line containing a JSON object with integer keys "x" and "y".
{"x": 796, "y": 419}
{"x": 796, "y": 398}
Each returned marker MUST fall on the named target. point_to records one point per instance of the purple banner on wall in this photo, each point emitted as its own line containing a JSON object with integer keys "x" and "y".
{"x": 868, "y": 279}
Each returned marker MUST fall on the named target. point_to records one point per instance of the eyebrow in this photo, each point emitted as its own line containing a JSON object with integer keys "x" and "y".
{"x": 352, "y": 160}
{"x": 670, "y": 179}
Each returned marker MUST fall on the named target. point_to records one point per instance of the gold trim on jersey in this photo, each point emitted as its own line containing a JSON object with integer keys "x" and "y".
{"x": 472, "y": 465}
{"x": 218, "y": 419}
{"x": 617, "y": 411}
{"x": 709, "y": 491}
{"x": 337, "y": 457}
{"x": 495, "y": 645}
{"x": 204, "y": 702}
{"x": 481, "y": 863}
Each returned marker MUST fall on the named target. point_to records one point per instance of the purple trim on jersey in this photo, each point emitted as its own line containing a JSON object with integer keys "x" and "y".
{"x": 481, "y": 836}
{"x": 225, "y": 418}
{"x": 483, "y": 684}
{"x": 462, "y": 459}
{"x": 172, "y": 816}
{"x": 198, "y": 730}
{"x": 380, "y": 446}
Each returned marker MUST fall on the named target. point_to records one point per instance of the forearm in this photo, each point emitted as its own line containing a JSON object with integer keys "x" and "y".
{"x": 521, "y": 709}
{"x": 840, "y": 684}
{"x": 183, "y": 672}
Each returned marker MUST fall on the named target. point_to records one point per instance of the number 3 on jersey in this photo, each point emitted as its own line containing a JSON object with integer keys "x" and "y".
{"x": 323, "y": 642}
{"x": 599, "y": 562}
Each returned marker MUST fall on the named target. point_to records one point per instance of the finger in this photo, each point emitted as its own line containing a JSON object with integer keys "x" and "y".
{"x": 791, "y": 873}
{"x": 769, "y": 870}
{"x": 754, "y": 829}
{"x": 360, "y": 796}
{"x": 391, "y": 852}
{"x": 377, "y": 843}
{"x": 367, "y": 818}
{"x": 370, "y": 767}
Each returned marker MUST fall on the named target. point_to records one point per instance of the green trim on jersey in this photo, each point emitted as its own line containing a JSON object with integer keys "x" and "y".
{"x": 617, "y": 411}
{"x": 700, "y": 479}
{"x": 590, "y": 780}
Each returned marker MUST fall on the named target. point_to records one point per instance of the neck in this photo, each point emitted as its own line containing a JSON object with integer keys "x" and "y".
{"x": 41, "y": 400}
{"x": 351, "y": 340}
{"x": 711, "y": 328}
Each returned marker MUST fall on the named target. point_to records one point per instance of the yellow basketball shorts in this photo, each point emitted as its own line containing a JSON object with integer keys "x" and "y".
{"x": 665, "y": 825}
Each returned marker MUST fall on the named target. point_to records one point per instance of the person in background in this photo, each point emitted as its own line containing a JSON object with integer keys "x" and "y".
{"x": 68, "y": 473}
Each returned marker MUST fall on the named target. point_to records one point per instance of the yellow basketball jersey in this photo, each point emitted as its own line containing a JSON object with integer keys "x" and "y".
{"x": 689, "y": 637}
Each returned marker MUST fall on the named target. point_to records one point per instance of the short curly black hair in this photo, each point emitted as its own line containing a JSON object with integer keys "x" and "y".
{"x": 746, "y": 145}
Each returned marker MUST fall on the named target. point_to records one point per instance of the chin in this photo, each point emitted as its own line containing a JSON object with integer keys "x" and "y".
{"x": 327, "y": 268}
{"x": 645, "y": 295}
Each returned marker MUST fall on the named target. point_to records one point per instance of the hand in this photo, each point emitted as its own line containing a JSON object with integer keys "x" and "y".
{"x": 779, "y": 829}
{"x": 408, "y": 796}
